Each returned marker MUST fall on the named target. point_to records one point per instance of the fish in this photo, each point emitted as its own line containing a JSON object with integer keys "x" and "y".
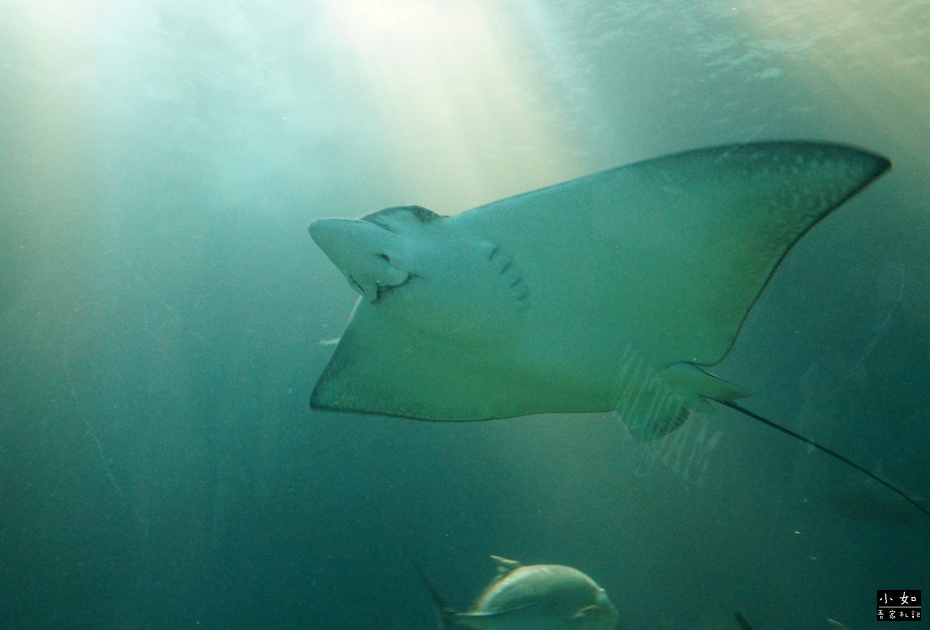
{"x": 613, "y": 292}
{"x": 531, "y": 597}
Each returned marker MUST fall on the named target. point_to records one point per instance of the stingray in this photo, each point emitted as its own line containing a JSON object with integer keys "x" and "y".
{"x": 612, "y": 292}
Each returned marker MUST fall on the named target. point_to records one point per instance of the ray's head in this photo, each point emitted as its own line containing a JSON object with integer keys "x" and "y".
{"x": 374, "y": 252}
{"x": 414, "y": 264}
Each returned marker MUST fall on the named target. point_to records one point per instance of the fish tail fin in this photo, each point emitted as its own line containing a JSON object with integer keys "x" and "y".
{"x": 445, "y": 614}
{"x": 741, "y": 620}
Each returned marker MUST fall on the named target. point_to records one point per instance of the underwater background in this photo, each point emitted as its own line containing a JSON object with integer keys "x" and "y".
{"x": 164, "y": 314}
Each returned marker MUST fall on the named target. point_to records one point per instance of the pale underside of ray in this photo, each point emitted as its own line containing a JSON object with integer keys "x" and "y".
{"x": 630, "y": 281}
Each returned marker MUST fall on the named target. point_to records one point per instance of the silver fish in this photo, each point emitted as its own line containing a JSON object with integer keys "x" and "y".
{"x": 534, "y": 597}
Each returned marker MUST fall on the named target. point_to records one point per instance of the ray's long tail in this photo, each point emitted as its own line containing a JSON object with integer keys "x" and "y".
{"x": 831, "y": 453}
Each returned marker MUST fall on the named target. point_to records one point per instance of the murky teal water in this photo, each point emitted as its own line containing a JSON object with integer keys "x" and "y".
{"x": 165, "y": 315}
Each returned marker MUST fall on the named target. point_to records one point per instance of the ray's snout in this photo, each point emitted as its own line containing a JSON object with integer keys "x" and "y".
{"x": 361, "y": 251}
{"x": 335, "y": 235}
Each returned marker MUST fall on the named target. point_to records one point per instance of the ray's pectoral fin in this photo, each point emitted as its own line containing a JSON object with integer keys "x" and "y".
{"x": 653, "y": 403}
